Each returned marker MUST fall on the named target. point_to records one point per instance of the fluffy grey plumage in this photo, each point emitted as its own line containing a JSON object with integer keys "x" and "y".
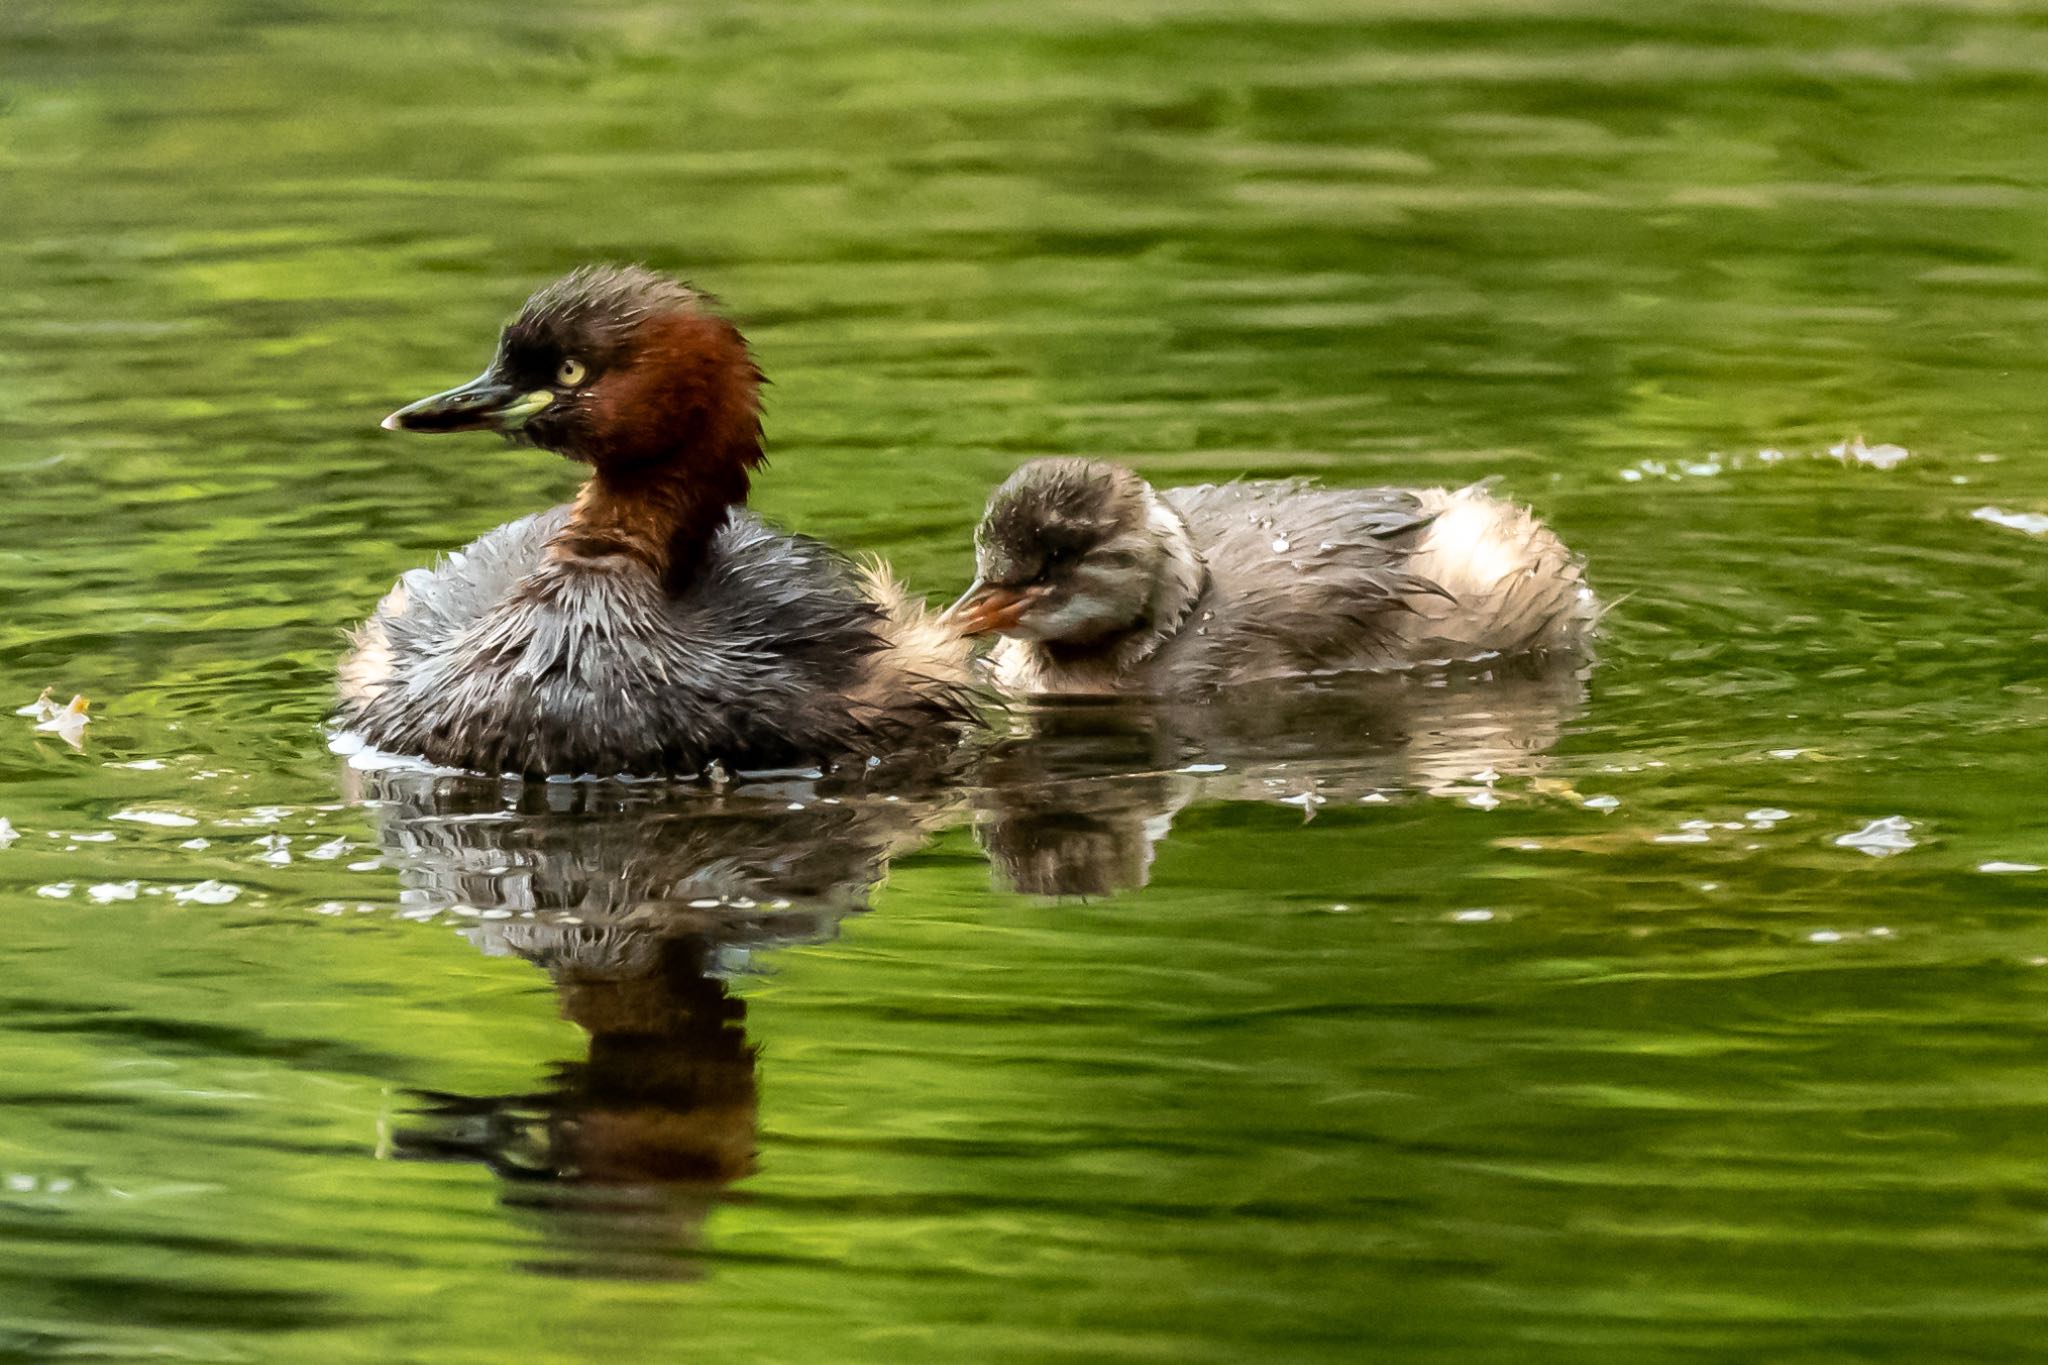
{"x": 653, "y": 626}
{"x": 777, "y": 655}
{"x": 1103, "y": 584}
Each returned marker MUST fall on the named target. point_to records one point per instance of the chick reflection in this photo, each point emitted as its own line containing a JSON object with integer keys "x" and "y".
{"x": 1076, "y": 802}
{"x": 639, "y": 903}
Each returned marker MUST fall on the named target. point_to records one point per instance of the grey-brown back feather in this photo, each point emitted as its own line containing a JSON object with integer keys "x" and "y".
{"x": 1301, "y": 578}
{"x": 498, "y": 660}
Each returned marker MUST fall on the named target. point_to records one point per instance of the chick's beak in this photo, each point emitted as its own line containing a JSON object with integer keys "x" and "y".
{"x": 485, "y": 403}
{"x": 987, "y": 607}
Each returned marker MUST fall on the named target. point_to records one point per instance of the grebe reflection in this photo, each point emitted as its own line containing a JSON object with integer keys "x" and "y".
{"x": 640, "y": 902}
{"x": 1076, "y": 801}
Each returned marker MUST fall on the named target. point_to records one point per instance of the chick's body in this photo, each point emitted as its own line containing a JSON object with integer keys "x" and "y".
{"x": 1265, "y": 579}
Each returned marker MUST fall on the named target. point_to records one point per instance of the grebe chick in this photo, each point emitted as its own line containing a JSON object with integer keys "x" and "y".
{"x": 1100, "y": 583}
{"x": 654, "y": 625}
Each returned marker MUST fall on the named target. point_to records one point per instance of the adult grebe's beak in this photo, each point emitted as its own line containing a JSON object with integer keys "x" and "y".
{"x": 986, "y": 607}
{"x": 485, "y": 403}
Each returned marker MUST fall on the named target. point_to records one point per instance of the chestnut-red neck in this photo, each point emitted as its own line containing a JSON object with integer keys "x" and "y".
{"x": 673, "y": 435}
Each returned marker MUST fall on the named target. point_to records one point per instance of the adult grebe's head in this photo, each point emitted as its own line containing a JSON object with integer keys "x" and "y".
{"x": 1077, "y": 553}
{"x": 619, "y": 367}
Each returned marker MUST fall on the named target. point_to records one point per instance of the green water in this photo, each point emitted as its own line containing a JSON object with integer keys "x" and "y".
{"x": 1565, "y": 1029}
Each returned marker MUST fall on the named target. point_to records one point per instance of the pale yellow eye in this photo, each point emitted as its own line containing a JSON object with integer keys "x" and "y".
{"x": 571, "y": 373}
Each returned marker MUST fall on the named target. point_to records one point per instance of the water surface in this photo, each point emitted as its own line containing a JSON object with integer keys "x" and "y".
{"x": 1474, "y": 1023}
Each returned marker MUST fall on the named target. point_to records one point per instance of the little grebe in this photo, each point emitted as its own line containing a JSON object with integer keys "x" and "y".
{"x": 654, "y": 625}
{"x": 1102, "y": 584}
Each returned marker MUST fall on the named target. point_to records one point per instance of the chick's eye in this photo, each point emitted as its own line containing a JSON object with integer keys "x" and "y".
{"x": 571, "y": 372}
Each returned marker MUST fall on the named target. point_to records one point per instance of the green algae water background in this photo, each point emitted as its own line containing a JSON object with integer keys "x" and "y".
{"x": 1694, "y": 1015}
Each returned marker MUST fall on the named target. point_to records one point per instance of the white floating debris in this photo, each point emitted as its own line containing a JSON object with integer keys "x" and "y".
{"x": 162, "y": 819}
{"x": 1881, "y": 456}
{"x": 107, "y": 892}
{"x": 1998, "y": 867}
{"x": 1689, "y": 837}
{"x": 1601, "y": 802}
{"x": 367, "y": 760}
{"x": 1824, "y": 936}
{"x": 56, "y": 891}
{"x": 1482, "y": 800}
{"x": 196, "y": 844}
{"x": 1471, "y": 916}
{"x": 1486, "y": 775}
{"x": 1204, "y": 768}
{"x": 1783, "y": 753}
{"x": 1881, "y": 838}
{"x": 1280, "y": 545}
{"x": 66, "y": 722}
{"x": 208, "y": 892}
{"x": 7, "y": 834}
{"x": 2028, "y": 523}
{"x": 1767, "y": 815}
{"x": 142, "y": 765}
{"x": 330, "y": 850}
